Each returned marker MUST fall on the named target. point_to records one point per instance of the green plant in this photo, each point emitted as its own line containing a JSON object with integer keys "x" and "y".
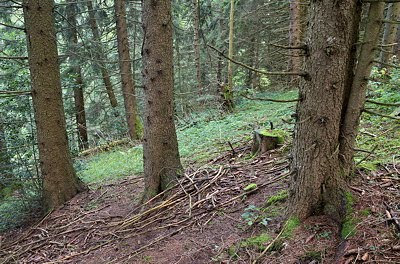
{"x": 279, "y": 197}
{"x": 291, "y": 224}
{"x": 312, "y": 255}
{"x": 350, "y": 222}
{"x": 257, "y": 242}
{"x": 325, "y": 234}
{"x": 252, "y": 215}
{"x": 118, "y": 163}
{"x": 250, "y": 187}
{"x": 365, "y": 212}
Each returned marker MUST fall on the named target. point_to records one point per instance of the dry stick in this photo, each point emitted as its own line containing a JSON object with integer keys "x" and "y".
{"x": 13, "y": 58}
{"x": 302, "y": 47}
{"x": 268, "y": 247}
{"x": 386, "y": 1}
{"x": 190, "y": 199}
{"x": 379, "y": 114}
{"x": 390, "y": 21}
{"x": 16, "y": 92}
{"x": 367, "y": 156}
{"x": 383, "y": 104}
{"x": 11, "y": 26}
{"x": 270, "y": 100}
{"x": 387, "y": 64}
{"x": 304, "y": 74}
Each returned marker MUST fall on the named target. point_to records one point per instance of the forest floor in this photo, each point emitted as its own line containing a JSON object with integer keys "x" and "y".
{"x": 228, "y": 208}
{"x": 227, "y": 211}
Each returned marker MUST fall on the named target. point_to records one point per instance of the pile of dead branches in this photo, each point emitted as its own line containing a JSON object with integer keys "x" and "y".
{"x": 194, "y": 200}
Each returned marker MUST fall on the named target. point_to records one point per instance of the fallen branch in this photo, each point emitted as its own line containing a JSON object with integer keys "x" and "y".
{"x": 387, "y": 64}
{"x": 367, "y": 156}
{"x": 13, "y": 58}
{"x": 302, "y": 47}
{"x": 383, "y": 104}
{"x": 270, "y": 99}
{"x": 11, "y": 26}
{"x": 268, "y": 247}
{"x": 303, "y": 74}
{"x": 382, "y": 115}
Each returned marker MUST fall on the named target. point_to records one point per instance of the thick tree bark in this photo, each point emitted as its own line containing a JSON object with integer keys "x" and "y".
{"x": 357, "y": 96}
{"x": 253, "y": 79}
{"x": 76, "y": 70}
{"x": 128, "y": 86}
{"x": 227, "y": 90}
{"x": 99, "y": 54}
{"x": 5, "y": 164}
{"x": 59, "y": 179}
{"x": 298, "y": 12}
{"x": 317, "y": 183}
{"x": 160, "y": 146}
{"x": 390, "y": 33}
{"x": 196, "y": 42}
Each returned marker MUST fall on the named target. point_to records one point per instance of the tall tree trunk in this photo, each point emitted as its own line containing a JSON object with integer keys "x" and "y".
{"x": 5, "y": 164}
{"x": 227, "y": 90}
{"x": 253, "y": 77}
{"x": 389, "y": 33}
{"x": 196, "y": 42}
{"x": 99, "y": 54}
{"x": 160, "y": 146}
{"x": 317, "y": 184}
{"x": 296, "y": 35}
{"x": 59, "y": 179}
{"x": 128, "y": 86}
{"x": 76, "y": 70}
{"x": 356, "y": 101}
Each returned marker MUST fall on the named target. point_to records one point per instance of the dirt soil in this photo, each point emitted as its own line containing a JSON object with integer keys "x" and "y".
{"x": 201, "y": 220}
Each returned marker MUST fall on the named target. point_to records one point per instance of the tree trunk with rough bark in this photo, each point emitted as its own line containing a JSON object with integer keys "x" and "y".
{"x": 196, "y": 42}
{"x": 357, "y": 95}
{"x": 317, "y": 180}
{"x": 389, "y": 33}
{"x": 298, "y": 13}
{"x": 128, "y": 86}
{"x": 99, "y": 54}
{"x": 162, "y": 164}
{"x": 76, "y": 70}
{"x": 227, "y": 89}
{"x": 5, "y": 172}
{"x": 60, "y": 182}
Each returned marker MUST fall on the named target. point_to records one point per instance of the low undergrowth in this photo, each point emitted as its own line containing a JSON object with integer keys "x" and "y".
{"x": 201, "y": 136}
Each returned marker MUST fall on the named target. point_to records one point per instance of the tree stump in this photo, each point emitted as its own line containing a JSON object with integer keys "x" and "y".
{"x": 266, "y": 139}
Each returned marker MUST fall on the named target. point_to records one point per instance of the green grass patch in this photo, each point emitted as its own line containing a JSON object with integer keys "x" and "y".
{"x": 112, "y": 165}
{"x": 365, "y": 212}
{"x": 290, "y": 226}
{"x": 256, "y": 242}
{"x": 350, "y": 222}
{"x": 201, "y": 137}
{"x": 15, "y": 212}
{"x": 349, "y": 227}
{"x": 312, "y": 255}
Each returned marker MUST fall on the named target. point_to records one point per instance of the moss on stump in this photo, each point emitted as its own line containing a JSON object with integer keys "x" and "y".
{"x": 267, "y": 139}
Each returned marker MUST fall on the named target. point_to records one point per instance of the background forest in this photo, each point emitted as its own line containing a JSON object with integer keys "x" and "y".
{"x": 237, "y": 69}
